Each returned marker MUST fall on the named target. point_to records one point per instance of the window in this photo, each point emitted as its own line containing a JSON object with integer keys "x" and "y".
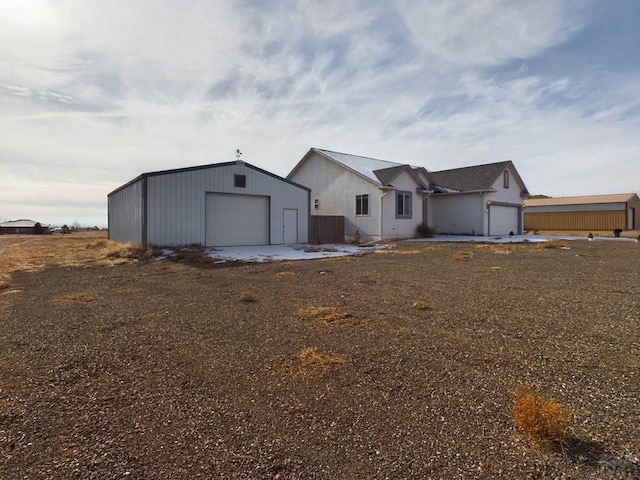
{"x": 362, "y": 204}
{"x": 240, "y": 181}
{"x": 505, "y": 179}
{"x": 403, "y": 205}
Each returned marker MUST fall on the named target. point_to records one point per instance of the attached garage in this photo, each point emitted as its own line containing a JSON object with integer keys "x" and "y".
{"x": 594, "y": 212}
{"x": 503, "y": 218}
{"x": 222, "y": 204}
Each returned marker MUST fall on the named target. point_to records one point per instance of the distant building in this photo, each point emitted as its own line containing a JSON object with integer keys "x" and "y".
{"x": 23, "y": 227}
{"x": 594, "y": 212}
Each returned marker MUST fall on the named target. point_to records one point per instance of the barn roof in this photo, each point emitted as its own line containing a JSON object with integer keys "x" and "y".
{"x": 581, "y": 200}
{"x": 203, "y": 167}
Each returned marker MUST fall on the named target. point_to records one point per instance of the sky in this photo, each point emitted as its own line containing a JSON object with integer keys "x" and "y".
{"x": 94, "y": 93}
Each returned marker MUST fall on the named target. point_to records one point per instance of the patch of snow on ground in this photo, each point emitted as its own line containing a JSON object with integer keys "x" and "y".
{"x": 271, "y": 253}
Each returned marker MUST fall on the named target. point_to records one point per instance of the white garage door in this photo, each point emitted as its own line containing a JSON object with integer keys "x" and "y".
{"x": 237, "y": 219}
{"x": 503, "y": 220}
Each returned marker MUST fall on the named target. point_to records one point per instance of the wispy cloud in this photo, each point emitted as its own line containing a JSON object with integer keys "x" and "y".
{"x": 94, "y": 93}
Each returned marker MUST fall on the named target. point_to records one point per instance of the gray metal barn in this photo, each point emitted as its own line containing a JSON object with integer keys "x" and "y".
{"x": 222, "y": 204}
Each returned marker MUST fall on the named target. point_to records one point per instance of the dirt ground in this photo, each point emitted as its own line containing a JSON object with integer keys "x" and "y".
{"x": 397, "y": 364}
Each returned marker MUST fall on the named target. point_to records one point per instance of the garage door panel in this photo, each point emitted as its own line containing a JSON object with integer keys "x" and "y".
{"x": 503, "y": 220}
{"x": 237, "y": 219}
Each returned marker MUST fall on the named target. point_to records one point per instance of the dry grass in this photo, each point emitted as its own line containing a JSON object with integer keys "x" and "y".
{"x": 86, "y": 249}
{"x": 74, "y": 298}
{"x": 552, "y": 244}
{"x": 190, "y": 256}
{"x": 463, "y": 256}
{"x": 285, "y": 274}
{"x": 544, "y": 421}
{"x": 327, "y": 315}
{"x": 421, "y": 305}
{"x": 247, "y": 297}
{"x": 310, "y": 362}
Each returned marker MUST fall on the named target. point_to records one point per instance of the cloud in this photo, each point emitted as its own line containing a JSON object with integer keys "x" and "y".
{"x": 94, "y": 93}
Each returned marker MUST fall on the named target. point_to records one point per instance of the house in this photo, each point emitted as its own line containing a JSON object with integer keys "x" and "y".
{"x": 232, "y": 203}
{"x": 23, "y": 227}
{"x": 479, "y": 200}
{"x": 380, "y": 199}
{"x": 592, "y": 212}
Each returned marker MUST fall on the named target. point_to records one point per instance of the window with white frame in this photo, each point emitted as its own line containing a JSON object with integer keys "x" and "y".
{"x": 362, "y": 204}
{"x": 403, "y": 204}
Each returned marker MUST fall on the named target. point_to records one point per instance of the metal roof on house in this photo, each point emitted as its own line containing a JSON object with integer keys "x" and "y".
{"x": 580, "y": 200}
{"x": 21, "y": 223}
{"x": 477, "y": 177}
{"x": 365, "y": 166}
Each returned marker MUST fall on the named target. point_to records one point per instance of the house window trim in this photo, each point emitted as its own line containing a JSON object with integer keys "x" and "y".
{"x": 359, "y": 198}
{"x": 239, "y": 181}
{"x": 505, "y": 179}
{"x": 403, "y": 194}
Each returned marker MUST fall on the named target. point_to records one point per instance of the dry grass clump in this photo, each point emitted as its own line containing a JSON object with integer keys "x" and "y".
{"x": 286, "y": 274}
{"x": 463, "y": 256}
{"x": 552, "y": 244}
{"x": 191, "y": 257}
{"x": 328, "y": 315}
{"x": 310, "y": 362}
{"x": 421, "y": 305}
{"x": 34, "y": 252}
{"x": 74, "y": 298}
{"x": 544, "y": 421}
{"x": 247, "y": 297}
{"x": 4, "y": 285}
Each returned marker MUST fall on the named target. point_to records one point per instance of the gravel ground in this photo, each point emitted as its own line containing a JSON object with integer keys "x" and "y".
{"x": 172, "y": 370}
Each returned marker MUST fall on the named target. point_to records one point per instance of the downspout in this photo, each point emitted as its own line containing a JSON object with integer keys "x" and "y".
{"x": 488, "y": 210}
{"x": 384, "y": 194}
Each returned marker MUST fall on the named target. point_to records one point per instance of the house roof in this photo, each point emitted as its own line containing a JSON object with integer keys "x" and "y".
{"x": 477, "y": 177}
{"x": 21, "y": 223}
{"x": 204, "y": 167}
{"x": 380, "y": 172}
{"x": 364, "y": 166}
{"x": 581, "y": 200}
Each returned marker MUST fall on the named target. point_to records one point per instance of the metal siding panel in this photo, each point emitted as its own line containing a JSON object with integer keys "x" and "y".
{"x": 177, "y": 202}
{"x": 125, "y": 214}
{"x": 602, "y": 220}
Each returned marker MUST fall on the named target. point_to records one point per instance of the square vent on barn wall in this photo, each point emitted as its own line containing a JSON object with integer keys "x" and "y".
{"x": 240, "y": 181}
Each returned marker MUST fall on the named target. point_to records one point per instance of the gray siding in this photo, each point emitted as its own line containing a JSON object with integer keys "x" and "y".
{"x": 176, "y": 202}
{"x": 126, "y": 213}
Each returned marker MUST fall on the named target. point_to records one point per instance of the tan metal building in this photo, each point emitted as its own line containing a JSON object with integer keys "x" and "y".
{"x": 593, "y": 212}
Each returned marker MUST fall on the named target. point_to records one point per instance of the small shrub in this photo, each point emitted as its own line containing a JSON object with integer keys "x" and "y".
{"x": 544, "y": 421}
{"x": 425, "y": 231}
{"x": 590, "y": 236}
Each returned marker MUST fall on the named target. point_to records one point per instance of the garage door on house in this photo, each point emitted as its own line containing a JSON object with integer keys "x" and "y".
{"x": 503, "y": 219}
{"x": 236, "y": 219}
